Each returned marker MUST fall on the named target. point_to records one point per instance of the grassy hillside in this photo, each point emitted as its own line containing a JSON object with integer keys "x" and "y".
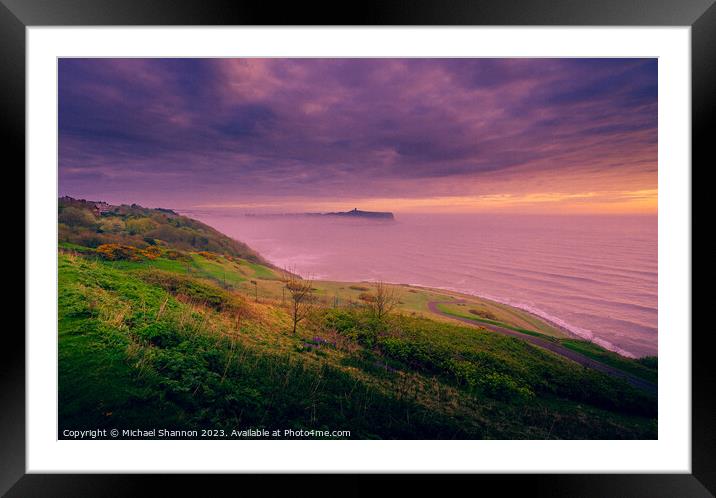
{"x": 92, "y": 224}
{"x": 184, "y": 338}
{"x": 645, "y": 368}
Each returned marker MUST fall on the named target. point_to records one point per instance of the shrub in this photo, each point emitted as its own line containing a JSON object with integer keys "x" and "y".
{"x": 112, "y": 224}
{"x": 354, "y": 324}
{"x": 152, "y": 252}
{"x": 117, "y": 252}
{"x": 342, "y": 321}
{"x": 176, "y": 255}
{"x": 139, "y": 225}
{"x": 465, "y": 373}
{"x": 420, "y": 355}
{"x": 73, "y": 216}
{"x": 367, "y": 297}
{"x": 160, "y": 334}
{"x": 503, "y": 387}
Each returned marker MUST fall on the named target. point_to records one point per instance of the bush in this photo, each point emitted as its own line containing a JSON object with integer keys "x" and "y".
{"x": 416, "y": 354}
{"x": 503, "y": 387}
{"x": 367, "y": 297}
{"x": 139, "y": 225}
{"x": 176, "y": 255}
{"x": 209, "y": 255}
{"x": 152, "y": 252}
{"x": 112, "y": 224}
{"x": 119, "y": 252}
{"x": 160, "y": 334}
{"x": 340, "y": 320}
{"x": 73, "y": 216}
{"x": 465, "y": 373}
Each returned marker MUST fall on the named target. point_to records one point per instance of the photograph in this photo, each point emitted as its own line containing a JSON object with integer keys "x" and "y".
{"x": 368, "y": 248}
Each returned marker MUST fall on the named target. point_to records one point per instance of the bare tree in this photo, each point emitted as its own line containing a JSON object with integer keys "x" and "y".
{"x": 382, "y": 301}
{"x": 302, "y": 298}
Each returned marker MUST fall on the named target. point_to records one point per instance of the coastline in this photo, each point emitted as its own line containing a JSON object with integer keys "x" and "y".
{"x": 556, "y": 322}
{"x": 549, "y": 320}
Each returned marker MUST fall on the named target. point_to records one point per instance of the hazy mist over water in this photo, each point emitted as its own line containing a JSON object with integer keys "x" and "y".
{"x": 594, "y": 275}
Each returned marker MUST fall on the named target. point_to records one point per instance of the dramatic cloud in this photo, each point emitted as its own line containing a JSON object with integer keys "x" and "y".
{"x": 430, "y": 133}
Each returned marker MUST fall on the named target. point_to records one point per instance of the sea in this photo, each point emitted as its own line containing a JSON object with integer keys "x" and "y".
{"x": 593, "y": 275}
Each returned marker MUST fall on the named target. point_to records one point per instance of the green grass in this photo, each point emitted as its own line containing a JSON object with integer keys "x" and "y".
{"x": 502, "y": 313}
{"x": 148, "y": 344}
{"x": 586, "y": 348}
{"x": 479, "y": 319}
{"x": 635, "y": 367}
{"x": 159, "y": 263}
{"x": 476, "y": 359}
{"x": 142, "y": 370}
{"x": 221, "y": 271}
{"x": 71, "y": 246}
{"x": 261, "y": 271}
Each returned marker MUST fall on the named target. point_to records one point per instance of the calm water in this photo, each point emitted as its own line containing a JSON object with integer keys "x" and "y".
{"x": 594, "y": 275}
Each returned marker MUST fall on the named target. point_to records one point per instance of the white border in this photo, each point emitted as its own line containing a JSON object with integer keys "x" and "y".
{"x": 672, "y": 451}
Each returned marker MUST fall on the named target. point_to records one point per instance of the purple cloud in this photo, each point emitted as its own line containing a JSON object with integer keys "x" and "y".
{"x": 188, "y": 131}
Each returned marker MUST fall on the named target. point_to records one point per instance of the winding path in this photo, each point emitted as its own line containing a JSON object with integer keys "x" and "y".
{"x": 551, "y": 346}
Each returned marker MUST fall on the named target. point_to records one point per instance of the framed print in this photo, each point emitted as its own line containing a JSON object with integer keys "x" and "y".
{"x": 425, "y": 240}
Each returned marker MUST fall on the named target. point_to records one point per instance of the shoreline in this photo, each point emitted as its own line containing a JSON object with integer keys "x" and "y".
{"x": 549, "y": 320}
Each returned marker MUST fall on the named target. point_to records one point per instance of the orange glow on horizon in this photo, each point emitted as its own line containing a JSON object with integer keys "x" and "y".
{"x": 617, "y": 202}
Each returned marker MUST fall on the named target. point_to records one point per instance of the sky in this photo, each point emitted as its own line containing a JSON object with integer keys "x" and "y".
{"x": 407, "y": 135}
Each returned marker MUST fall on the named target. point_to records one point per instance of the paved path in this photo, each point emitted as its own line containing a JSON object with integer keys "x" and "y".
{"x": 555, "y": 347}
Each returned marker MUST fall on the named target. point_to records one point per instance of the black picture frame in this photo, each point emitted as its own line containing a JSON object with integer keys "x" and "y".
{"x": 16, "y": 15}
